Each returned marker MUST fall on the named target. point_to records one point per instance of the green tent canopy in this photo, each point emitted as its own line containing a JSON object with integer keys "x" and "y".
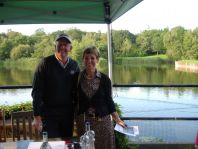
{"x": 63, "y": 11}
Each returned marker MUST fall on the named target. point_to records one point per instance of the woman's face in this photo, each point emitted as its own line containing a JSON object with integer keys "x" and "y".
{"x": 90, "y": 61}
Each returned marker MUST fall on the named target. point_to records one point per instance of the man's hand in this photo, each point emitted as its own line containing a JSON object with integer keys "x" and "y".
{"x": 37, "y": 123}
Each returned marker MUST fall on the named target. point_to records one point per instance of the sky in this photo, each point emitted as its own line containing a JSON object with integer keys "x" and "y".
{"x": 149, "y": 14}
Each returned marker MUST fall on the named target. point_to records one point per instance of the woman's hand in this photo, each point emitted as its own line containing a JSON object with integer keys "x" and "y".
{"x": 117, "y": 119}
{"x": 37, "y": 123}
{"x": 121, "y": 123}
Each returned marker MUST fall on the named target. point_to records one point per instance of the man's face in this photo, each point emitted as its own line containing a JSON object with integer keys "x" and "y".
{"x": 63, "y": 47}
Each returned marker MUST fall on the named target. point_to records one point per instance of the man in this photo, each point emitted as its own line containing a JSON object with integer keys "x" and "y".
{"x": 52, "y": 91}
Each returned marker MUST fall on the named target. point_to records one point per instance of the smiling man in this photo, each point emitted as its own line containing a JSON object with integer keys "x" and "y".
{"x": 52, "y": 91}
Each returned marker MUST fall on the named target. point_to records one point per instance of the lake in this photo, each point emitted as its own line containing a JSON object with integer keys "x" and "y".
{"x": 135, "y": 101}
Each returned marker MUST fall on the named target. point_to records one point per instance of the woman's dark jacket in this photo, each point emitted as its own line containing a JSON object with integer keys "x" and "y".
{"x": 102, "y": 100}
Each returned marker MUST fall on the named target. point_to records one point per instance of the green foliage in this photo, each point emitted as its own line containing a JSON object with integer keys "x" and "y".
{"x": 89, "y": 39}
{"x": 150, "y": 42}
{"x": 173, "y": 42}
{"x": 103, "y": 65}
{"x": 102, "y": 45}
{"x": 76, "y": 34}
{"x": 191, "y": 45}
{"x": 177, "y": 44}
{"x": 21, "y": 51}
{"x": 144, "y": 42}
{"x": 14, "y": 108}
{"x": 77, "y": 51}
{"x": 123, "y": 42}
{"x": 5, "y": 48}
{"x": 43, "y": 48}
{"x": 121, "y": 140}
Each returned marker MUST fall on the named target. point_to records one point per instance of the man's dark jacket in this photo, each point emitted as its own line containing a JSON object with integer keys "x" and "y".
{"x": 52, "y": 89}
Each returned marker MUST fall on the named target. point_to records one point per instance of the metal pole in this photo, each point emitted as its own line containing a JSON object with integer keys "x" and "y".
{"x": 109, "y": 52}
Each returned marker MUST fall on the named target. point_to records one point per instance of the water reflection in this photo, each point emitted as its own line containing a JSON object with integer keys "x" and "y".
{"x": 15, "y": 76}
{"x": 122, "y": 74}
{"x": 157, "y": 102}
{"x": 134, "y": 101}
{"x": 149, "y": 74}
{"x": 14, "y": 96}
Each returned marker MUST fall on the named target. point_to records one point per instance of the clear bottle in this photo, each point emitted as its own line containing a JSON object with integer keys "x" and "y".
{"x": 87, "y": 140}
{"x": 45, "y": 144}
{"x": 90, "y": 135}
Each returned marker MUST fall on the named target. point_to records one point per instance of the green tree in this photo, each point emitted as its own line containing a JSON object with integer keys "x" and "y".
{"x": 76, "y": 34}
{"x": 5, "y": 48}
{"x": 173, "y": 42}
{"x": 76, "y": 52}
{"x": 144, "y": 42}
{"x": 122, "y": 42}
{"x": 191, "y": 44}
{"x": 21, "y": 51}
{"x": 89, "y": 39}
{"x": 102, "y": 45}
{"x": 126, "y": 47}
{"x": 44, "y": 48}
{"x": 157, "y": 42}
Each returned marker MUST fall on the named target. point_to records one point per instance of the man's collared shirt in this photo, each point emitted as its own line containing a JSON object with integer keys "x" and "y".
{"x": 61, "y": 63}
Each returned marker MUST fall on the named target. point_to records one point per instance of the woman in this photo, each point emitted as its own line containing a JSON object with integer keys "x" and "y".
{"x": 95, "y": 103}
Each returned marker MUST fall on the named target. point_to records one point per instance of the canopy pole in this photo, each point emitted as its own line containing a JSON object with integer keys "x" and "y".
{"x": 109, "y": 52}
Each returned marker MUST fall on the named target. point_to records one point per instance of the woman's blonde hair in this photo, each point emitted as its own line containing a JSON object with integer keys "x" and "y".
{"x": 92, "y": 50}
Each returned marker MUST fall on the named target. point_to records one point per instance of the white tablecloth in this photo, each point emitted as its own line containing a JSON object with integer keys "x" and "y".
{"x": 54, "y": 145}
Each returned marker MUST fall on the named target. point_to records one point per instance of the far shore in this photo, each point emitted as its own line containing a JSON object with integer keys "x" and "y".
{"x": 186, "y": 66}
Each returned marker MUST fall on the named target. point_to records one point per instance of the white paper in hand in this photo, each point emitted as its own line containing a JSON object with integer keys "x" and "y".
{"x": 130, "y": 130}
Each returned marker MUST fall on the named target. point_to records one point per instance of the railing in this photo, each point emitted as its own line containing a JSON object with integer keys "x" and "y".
{"x": 164, "y": 132}
{"x": 188, "y": 121}
{"x": 16, "y": 87}
{"x": 155, "y": 85}
{"x": 114, "y": 85}
{"x": 159, "y": 118}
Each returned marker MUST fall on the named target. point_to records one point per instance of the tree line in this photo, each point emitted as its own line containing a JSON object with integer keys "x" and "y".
{"x": 177, "y": 43}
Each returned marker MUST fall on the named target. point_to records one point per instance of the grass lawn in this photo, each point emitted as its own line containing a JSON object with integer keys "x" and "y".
{"x": 147, "y": 59}
{"x": 189, "y": 61}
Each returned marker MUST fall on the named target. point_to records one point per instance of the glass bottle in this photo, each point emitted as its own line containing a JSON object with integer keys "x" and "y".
{"x": 87, "y": 140}
{"x": 45, "y": 144}
{"x": 90, "y": 135}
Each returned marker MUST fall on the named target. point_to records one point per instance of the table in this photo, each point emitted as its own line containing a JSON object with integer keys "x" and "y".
{"x": 16, "y": 145}
{"x": 56, "y": 143}
{"x": 8, "y": 145}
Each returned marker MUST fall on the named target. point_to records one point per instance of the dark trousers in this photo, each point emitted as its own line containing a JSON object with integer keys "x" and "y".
{"x": 59, "y": 127}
